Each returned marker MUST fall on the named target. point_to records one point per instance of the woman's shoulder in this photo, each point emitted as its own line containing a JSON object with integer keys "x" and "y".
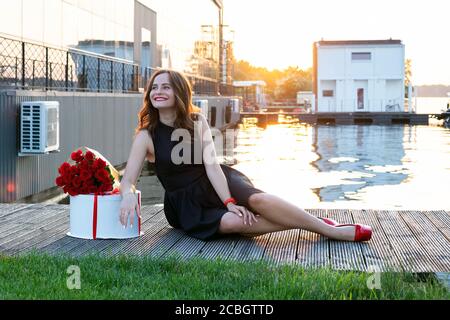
{"x": 144, "y": 140}
{"x": 144, "y": 136}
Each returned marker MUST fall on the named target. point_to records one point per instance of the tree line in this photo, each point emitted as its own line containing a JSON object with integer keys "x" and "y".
{"x": 281, "y": 84}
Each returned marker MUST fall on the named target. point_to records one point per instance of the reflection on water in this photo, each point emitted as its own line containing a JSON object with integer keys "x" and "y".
{"x": 354, "y": 166}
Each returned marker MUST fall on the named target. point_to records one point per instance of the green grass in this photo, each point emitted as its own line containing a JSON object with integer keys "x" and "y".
{"x": 37, "y": 276}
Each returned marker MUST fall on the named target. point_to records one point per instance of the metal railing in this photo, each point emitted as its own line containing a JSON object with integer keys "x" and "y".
{"x": 373, "y": 105}
{"x": 26, "y": 65}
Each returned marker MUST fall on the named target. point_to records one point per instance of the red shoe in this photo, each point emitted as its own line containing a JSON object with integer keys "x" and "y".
{"x": 331, "y": 222}
{"x": 362, "y": 231}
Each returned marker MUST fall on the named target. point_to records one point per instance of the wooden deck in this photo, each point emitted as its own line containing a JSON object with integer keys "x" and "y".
{"x": 414, "y": 241}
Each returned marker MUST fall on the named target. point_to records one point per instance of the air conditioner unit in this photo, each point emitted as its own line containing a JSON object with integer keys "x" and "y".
{"x": 39, "y": 127}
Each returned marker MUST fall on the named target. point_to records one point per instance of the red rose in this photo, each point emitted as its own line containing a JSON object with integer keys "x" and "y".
{"x": 89, "y": 182}
{"x": 102, "y": 175}
{"x": 59, "y": 181}
{"x": 77, "y": 156}
{"x": 89, "y": 156}
{"x": 74, "y": 170}
{"x": 76, "y": 182}
{"x": 92, "y": 189}
{"x": 64, "y": 168}
{"x": 84, "y": 190}
{"x": 99, "y": 163}
{"x": 83, "y": 164}
{"x": 67, "y": 178}
{"x": 72, "y": 192}
{"x": 85, "y": 174}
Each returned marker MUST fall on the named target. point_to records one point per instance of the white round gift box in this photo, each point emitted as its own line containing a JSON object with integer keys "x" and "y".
{"x": 108, "y": 225}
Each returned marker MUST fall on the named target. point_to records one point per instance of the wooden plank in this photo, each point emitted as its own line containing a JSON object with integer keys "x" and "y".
{"x": 29, "y": 231}
{"x": 241, "y": 249}
{"x": 345, "y": 255}
{"x": 250, "y": 248}
{"x": 10, "y": 208}
{"x": 165, "y": 239}
{"x": 313, "y": 249}
{"x": 185, "y": 248}
{"x": 23, "y": 214}
{"x": 31, "y": 221}
{"x": 378, "y": 251}
{"x": 219, "y": 248}
{"x": 441, "y": 220}
{"x": 431, "y": 239}
{"x": 410, "y": 253}
{"x": 282, "y": 247}
{"x": 55, "y": 230}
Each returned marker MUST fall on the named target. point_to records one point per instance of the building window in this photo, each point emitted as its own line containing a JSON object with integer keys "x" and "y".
{"x": 327, "y": 93}
{"x": 361, "y": 56}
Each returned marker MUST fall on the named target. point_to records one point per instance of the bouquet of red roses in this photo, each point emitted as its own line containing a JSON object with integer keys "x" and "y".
{"x": 87, "y": 173}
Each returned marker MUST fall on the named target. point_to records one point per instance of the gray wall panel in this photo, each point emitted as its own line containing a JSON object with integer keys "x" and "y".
{"x": 102, "y": 121}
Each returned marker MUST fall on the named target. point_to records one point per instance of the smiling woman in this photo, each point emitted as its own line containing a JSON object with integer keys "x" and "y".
{"x": 205, "y": 199}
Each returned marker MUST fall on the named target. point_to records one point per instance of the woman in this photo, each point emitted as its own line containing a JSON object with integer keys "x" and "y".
{"x": 204, "y": 198}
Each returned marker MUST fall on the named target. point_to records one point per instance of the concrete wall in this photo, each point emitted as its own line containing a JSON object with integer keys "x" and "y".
{"x": 102, "y": 121}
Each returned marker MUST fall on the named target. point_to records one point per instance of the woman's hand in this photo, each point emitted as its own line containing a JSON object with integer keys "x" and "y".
{"x": 247, "y": 215}
{"x": 128, "y": 206}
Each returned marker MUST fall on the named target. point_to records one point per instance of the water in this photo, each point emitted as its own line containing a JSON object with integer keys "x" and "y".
{"x": 349, "y": 166}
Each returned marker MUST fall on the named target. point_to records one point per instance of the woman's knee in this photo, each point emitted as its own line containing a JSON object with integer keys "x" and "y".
{"x": 230, "y": 223}
{"x": 258, "y": 200}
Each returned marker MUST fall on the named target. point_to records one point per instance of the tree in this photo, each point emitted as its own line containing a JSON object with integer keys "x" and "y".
{"x": 295, "y": 80}
{"x": 408, "y": 75}
{"x": 280, "y": 84}
{"x": 408, "y": 72}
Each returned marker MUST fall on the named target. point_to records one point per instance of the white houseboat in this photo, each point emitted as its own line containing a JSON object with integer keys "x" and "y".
{"x": 359, "y": 76}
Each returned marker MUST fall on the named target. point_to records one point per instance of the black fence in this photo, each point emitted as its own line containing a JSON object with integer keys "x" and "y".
{"x": 25, "y": 65}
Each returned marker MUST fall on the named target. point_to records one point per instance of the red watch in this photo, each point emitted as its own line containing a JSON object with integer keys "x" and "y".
{"x": 233, "y": 200}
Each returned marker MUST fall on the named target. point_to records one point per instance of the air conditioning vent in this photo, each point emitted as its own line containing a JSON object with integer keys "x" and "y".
{"x": 39, "y": 127}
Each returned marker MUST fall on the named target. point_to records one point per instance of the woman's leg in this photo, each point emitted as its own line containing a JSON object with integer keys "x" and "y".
{"x": 288, "y": 216}
{"x": 231, "y": 223}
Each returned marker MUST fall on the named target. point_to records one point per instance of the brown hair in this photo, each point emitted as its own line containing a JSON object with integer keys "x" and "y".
{"x": 148, "y": 116}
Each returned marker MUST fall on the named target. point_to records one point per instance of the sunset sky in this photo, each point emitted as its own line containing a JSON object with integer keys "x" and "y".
{"x": 277, "y": 34}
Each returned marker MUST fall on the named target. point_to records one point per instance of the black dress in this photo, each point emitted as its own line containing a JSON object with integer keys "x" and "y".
{"x": 190, "y": 201}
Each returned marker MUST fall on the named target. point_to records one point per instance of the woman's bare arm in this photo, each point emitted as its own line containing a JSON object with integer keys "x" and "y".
{"x": 216, "y": 175}
{"x": 142, "y": 146}
{"x": 212, "y": 166}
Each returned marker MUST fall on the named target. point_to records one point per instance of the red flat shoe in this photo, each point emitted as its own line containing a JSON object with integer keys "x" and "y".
{"x": 362, "y": 231}
{"x": 331, "y": 222}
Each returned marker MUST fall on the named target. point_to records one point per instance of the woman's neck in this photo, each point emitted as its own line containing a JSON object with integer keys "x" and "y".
{"x": 167, "y": 116}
